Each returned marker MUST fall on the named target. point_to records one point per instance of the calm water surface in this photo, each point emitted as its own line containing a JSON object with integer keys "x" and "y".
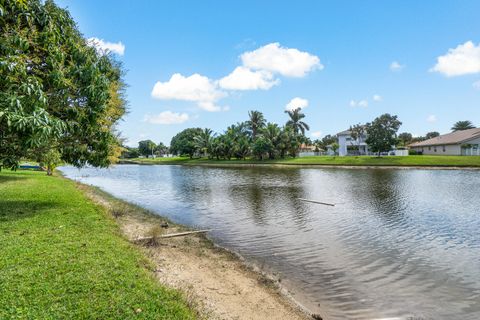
{"x": 398, "y": 243}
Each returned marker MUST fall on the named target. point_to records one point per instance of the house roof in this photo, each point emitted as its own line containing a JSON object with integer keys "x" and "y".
{"x": 344, "y": 133}
{"x": 450, "y": 138}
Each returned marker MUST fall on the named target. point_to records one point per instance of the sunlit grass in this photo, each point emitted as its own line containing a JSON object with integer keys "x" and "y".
{"x": 63, "y": 257}
{"x": 440, "y": 161}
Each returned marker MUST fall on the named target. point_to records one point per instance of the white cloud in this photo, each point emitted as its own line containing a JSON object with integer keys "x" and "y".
{"x": 105, "y": 46}
{"x": 316, "y": 134}
{"x": 476, "y": 85}
{"x": 396, "y": 66}
{"x": 289, "y": 62}
{"x": 432, "y": 118}
{"x": 166, "y": 117}
{"x": 296, "y": 103}
{"x": 361, "y": 103}
{"x": 195, "y": 88}
{"x": 243, "y": 78}
{"x": 464, "y": 59}
{"x": 377, "y": 98}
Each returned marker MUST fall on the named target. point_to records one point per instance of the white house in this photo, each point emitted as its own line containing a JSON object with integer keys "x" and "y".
{"x": 464, "y": 142}
{"x": 349, "y": 146}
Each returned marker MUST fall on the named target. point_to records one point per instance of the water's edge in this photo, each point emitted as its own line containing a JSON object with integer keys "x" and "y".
{"x": 251, "y": 266}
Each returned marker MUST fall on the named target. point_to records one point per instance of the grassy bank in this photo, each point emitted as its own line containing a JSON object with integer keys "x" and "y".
{"x": 63, "y": 257}
{"x": 409, "y": 161}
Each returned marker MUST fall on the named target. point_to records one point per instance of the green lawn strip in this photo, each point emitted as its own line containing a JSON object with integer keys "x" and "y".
{"x": 430, "y": 161}
{"x": 63, "y": 257}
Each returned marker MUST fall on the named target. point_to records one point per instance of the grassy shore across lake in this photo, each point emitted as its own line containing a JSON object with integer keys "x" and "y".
{"x": 368, "y": 161}
{"x": 63, "y": 257}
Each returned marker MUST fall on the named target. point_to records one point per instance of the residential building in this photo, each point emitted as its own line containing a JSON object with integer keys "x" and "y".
{"x": 350, "y": 146}
{"x": 464, "y": 142}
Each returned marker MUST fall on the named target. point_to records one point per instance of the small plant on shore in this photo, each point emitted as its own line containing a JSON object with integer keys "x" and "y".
{"x": 154, "y": 235}
{"x": 120, "y": 210}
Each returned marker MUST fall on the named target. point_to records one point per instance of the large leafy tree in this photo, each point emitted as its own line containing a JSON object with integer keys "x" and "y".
{"x": 462, "y": 125}
{"x": 184, "y": 142}
{"x": 146, "y": 147}
{"x": 382, "y": 133}
{"x": 255, "y": 123}
{"x": 58, "y": 95}
{"x": 295, "y": 121}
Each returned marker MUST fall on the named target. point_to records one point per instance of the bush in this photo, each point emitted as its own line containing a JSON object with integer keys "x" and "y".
{"x": 412, "y": 152}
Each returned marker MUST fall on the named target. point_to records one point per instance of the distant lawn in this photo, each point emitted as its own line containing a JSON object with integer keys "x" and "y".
{"x": 63, "y": 257}
{"x": 436, "y": 161}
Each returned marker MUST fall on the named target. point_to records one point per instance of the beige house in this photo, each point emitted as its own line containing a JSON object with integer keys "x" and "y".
{"x": 464, "y": 142}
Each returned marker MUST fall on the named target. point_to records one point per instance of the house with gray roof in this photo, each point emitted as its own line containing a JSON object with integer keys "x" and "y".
{"x": 464, "y": 142}
{"x": 350, "y": 146}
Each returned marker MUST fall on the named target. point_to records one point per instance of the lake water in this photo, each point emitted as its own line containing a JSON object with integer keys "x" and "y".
{"x": 398, "y": 243}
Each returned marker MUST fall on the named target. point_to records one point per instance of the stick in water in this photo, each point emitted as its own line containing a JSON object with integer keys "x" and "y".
{"x": 318, "y": 202}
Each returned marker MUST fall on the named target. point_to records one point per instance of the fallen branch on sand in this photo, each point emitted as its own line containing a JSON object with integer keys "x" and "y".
{"x": 171, "y": 235}
{"x": 317, "y": 202}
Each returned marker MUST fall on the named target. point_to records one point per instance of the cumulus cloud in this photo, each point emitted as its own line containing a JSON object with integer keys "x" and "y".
{"x": 316, "y": 134}
{"x": 361, "y": 103}
{"x": 166, "y": 117}
{"x": 296, "y": 103}
{"x": 476, "y": 85}
{"x": 195, "y": 88}
{"x": 103, "y": 46}
{"x": 258, "y": 72}
{"x": 396, "y": 66}
{"x": 432, "y": 118}
{"x": 464, "y": 59}
{"x": 243, "y": 78}
{"x": 377, "y": 98}
{"x": 289, "y": 62}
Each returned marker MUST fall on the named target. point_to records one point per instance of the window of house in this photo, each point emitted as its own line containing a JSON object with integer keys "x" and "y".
{"x": 435, "y": 149}
{"x": 444, "y": 149}
{"x": 429, "y": 148}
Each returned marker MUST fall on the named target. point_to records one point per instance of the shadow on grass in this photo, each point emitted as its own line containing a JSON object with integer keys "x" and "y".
{"x": 9, "y": 178}
{"x": 11, "y": 210}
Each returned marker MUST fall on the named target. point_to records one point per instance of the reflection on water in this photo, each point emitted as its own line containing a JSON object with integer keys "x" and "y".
{"x": 399, "y": 243}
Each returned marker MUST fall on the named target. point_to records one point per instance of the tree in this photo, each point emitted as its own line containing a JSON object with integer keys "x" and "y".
{"x": 146, "y": 147}
{"x": 161, "y": 149}
{"x": 272, "y": 134}
{"x": 357, "y": 132}
{"x": 463, "y": 125}
{"x": 255, "y": 123}
{"x": 335, "y": 147}
{"x": 296, "y": 122}
{"x": 431, "y": 135}
{"x": 405, "y": 138}
{"x": 56, "y": 90}
{"x": 328, "y": 140}
{"x": 382, "y": 133}
{"x": 203, "y": 141}
{"x": 184, "y": 142}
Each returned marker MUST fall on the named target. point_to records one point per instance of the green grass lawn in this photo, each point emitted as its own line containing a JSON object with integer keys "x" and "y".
{"x": 439, "y": 161}
{"x": 63, "y": 257}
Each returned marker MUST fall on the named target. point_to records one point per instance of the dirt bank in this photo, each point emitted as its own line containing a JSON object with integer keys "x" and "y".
{"x": 216, "y": 282}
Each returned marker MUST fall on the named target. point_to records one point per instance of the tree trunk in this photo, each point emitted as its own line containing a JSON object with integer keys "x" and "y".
{"x": 49, "y": 170}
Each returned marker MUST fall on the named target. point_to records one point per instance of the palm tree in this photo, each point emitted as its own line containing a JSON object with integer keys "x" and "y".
{"x": 296, "y": 122}
{"x": 256, "y": 122}
{"x": 272, "y": 134}
{"x": 463, "y": 125}
{"x": 203, "y": 141}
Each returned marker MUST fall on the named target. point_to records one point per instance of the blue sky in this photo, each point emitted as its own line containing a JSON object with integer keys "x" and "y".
{"x": 419, "y": 59}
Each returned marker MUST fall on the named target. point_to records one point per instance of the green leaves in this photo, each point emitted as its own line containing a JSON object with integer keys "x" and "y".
{"x": 53, "y": 87}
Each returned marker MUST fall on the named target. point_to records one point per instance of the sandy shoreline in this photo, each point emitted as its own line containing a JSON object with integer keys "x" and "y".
{"x": 217, "y": 283}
